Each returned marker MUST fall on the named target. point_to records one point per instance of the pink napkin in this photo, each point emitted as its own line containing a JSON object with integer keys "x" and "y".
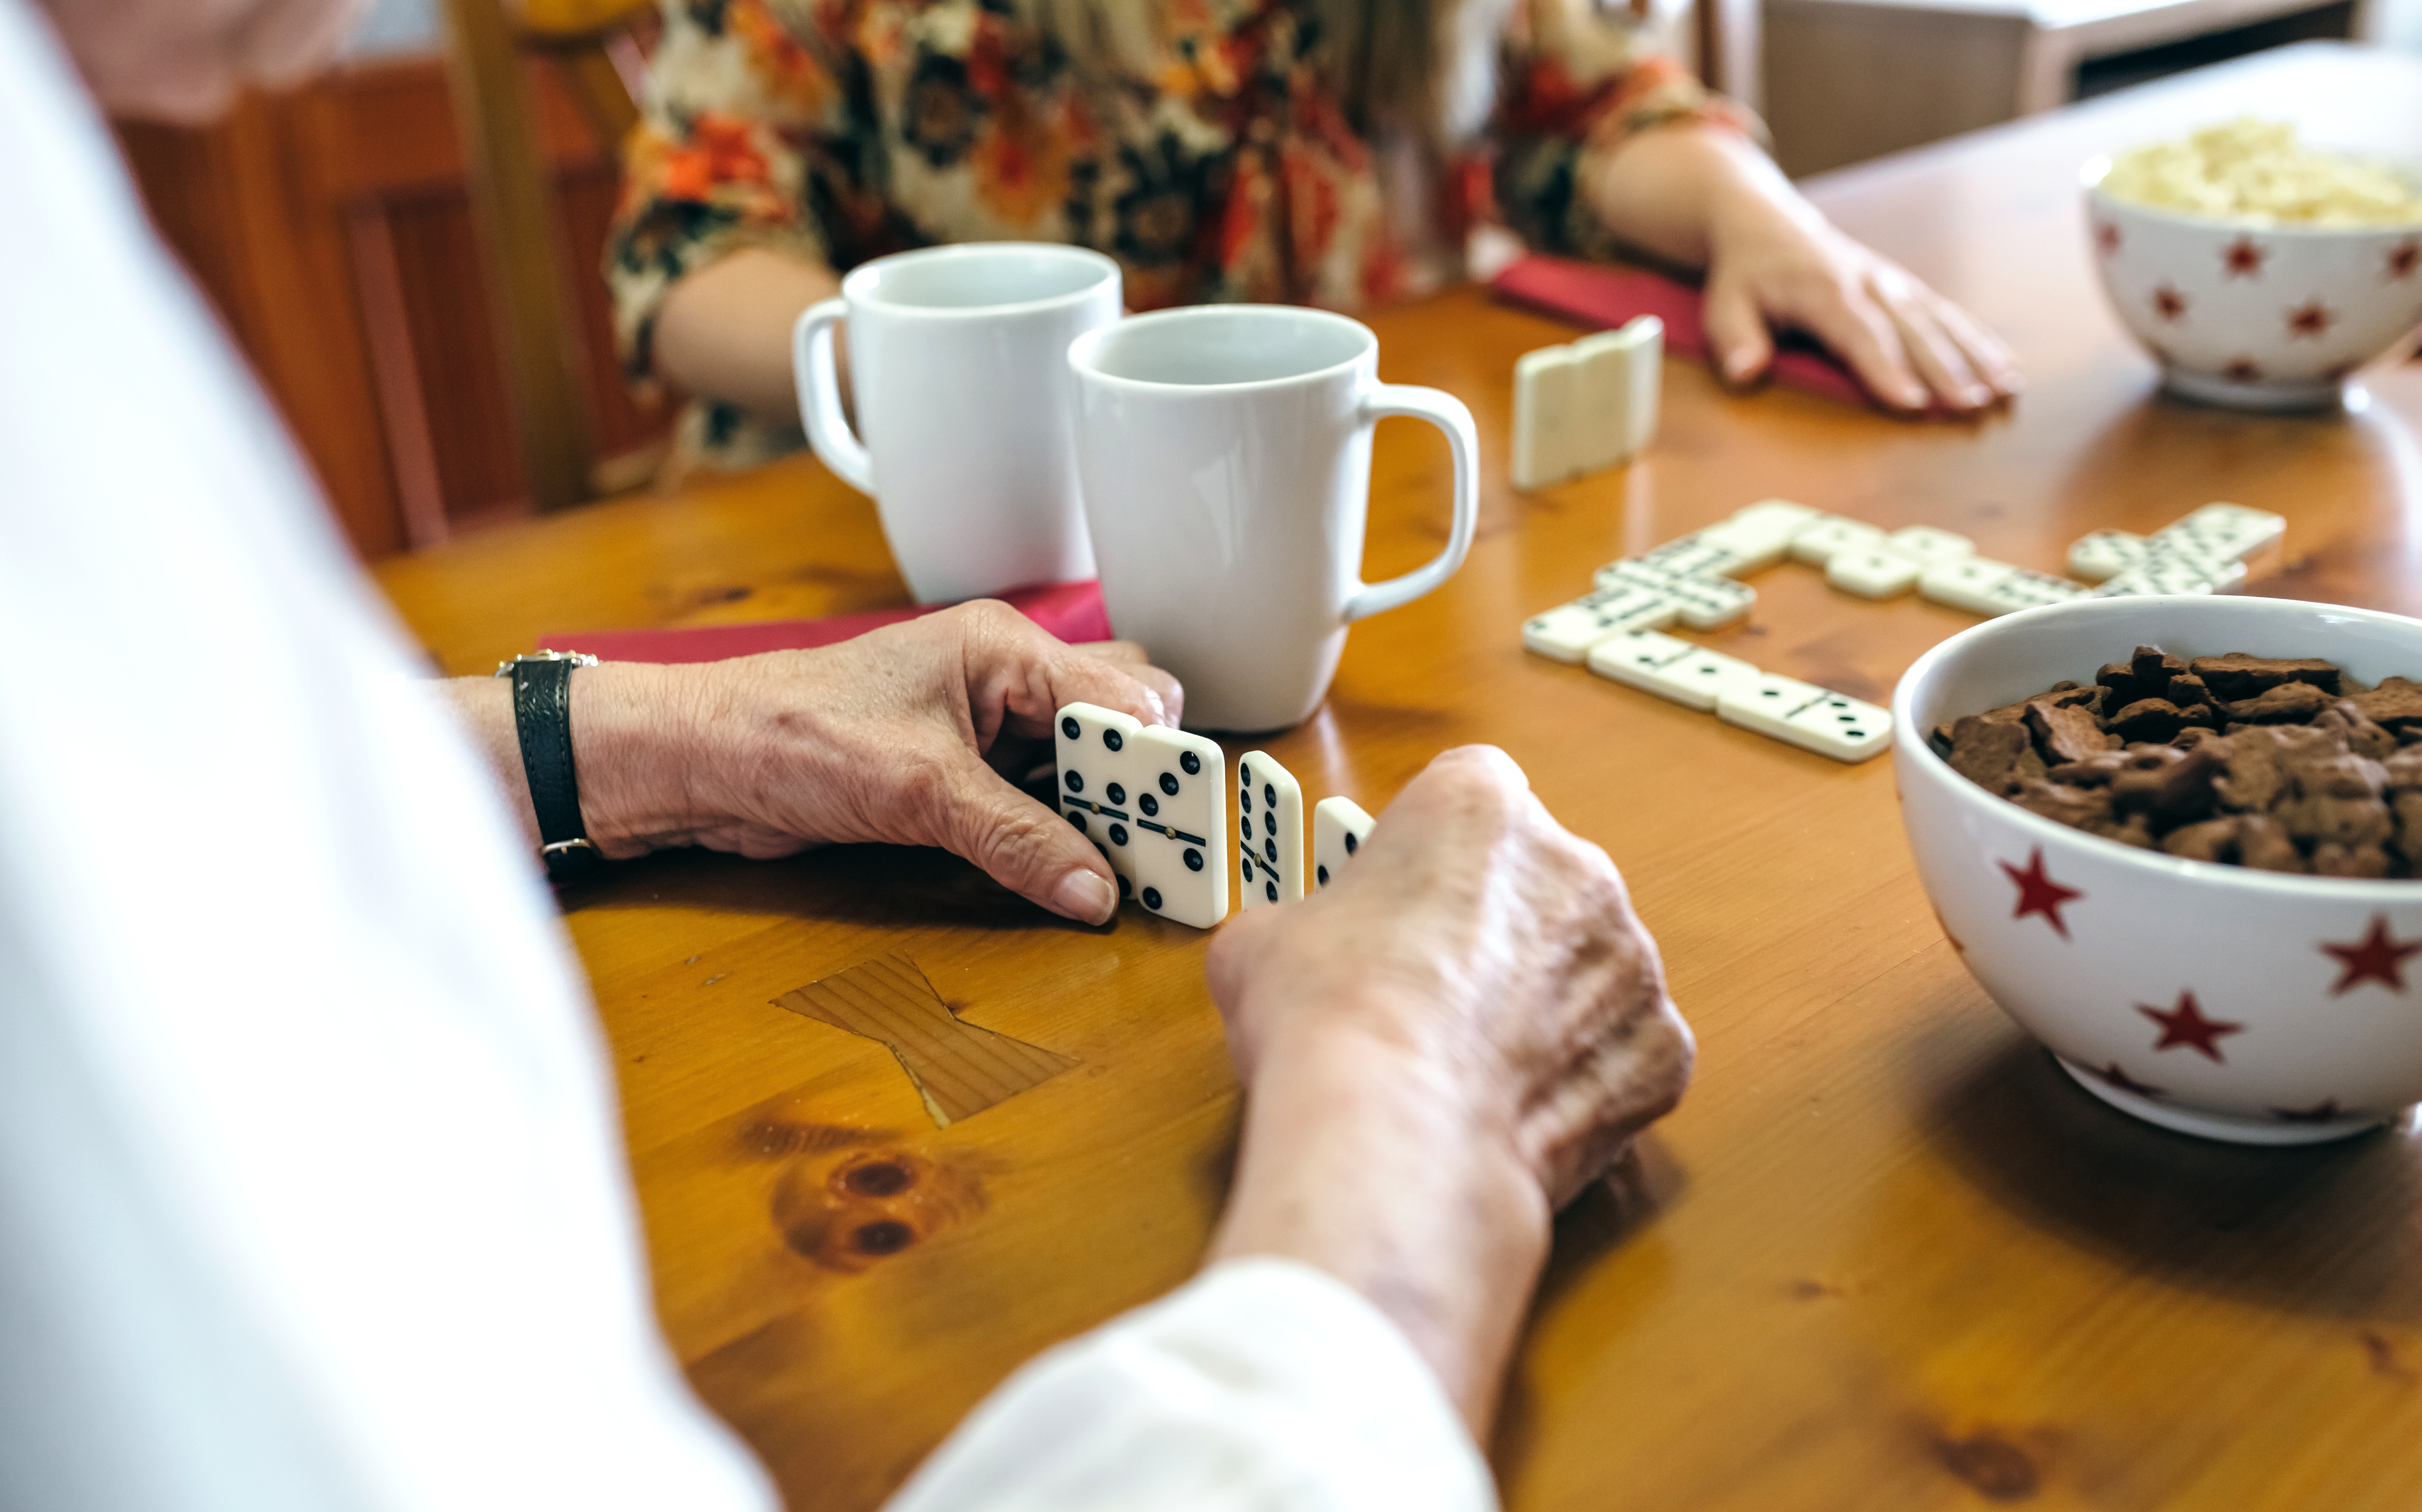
{"x": 1072, "y": 611}
{"x": 1603, "y": 297}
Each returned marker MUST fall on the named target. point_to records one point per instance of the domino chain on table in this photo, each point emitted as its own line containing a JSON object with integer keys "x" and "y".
{"x": 1616, "y": 628}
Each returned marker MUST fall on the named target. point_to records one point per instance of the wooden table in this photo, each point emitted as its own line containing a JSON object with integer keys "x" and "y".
{"x": 1884, "y": 1256}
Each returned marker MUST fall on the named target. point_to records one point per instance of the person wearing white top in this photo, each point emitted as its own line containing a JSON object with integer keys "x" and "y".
{"x": 310, "y": 1179}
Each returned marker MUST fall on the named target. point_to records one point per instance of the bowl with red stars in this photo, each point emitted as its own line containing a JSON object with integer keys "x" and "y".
{"x": 2263, "y": 1007}
{"x": 2254, "y": 288}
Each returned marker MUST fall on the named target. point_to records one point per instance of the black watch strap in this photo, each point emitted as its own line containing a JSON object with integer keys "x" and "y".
{"x": 542, "y": 718}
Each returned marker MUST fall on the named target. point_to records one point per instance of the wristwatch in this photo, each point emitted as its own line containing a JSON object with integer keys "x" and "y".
{"x": 543, "y": 716}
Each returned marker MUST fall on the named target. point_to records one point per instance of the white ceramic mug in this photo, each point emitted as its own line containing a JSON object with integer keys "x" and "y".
{"x": 957, "y": 359}
{"x": 1226, "y": 457}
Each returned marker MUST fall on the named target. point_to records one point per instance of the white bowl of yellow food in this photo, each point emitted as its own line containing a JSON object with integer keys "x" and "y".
{"x": 2259, "y": 272}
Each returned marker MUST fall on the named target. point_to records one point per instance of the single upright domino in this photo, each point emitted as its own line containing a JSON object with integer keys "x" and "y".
{"x": 1097, "y": 769}
{"x": 1546, "y": 415}
{"x": 1182, "y": 814}
{"x": 1155, "y": 801}
{"x": 1269, "y": 831}
{"x": 1621, "y": 371}
{"x": 1339, "y": 827}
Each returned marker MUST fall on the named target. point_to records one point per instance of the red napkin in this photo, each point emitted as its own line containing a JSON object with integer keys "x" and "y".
{"x": 1072, "y": 611}
{"x": 1604, "y": 296}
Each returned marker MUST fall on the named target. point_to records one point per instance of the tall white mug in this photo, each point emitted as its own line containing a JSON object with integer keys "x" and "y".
{"x": 957, "y": 360}
{"x": 1226, "y": 457}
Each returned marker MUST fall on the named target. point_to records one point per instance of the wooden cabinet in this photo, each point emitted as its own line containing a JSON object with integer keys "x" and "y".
{"x": 1849, "y": 80}
{"x": 332, "y": 229}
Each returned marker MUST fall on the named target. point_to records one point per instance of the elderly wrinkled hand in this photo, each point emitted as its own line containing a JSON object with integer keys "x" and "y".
{"x": 912, "y": 735}
{"x": 1480, "y": 949}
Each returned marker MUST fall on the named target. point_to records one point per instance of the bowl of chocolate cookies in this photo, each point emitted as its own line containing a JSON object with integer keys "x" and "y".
{"x": 2179, "y": 841}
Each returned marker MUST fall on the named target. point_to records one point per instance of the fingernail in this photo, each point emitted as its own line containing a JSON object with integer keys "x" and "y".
{"x": 1914, "y": 397}
{"x": 1082, "y": 895}
{"x": 1739, "y": 366}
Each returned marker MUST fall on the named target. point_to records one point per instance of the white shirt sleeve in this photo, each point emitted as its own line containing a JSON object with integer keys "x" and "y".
{"x": 1264, "y": 1386}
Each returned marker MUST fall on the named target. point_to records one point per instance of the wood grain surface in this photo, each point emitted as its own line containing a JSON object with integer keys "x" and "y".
{"x": 1884, "y": 1256}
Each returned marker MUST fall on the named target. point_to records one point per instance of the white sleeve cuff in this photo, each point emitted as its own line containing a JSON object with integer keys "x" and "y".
{"x": 1263, "y": 1383}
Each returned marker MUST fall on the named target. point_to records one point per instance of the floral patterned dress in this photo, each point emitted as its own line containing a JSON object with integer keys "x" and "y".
{"x": 844, "y": 130}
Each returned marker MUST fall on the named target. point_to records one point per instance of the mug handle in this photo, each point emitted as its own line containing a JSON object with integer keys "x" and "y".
{"x": 819, "y": 382}
{"x": 1447, "y": 413}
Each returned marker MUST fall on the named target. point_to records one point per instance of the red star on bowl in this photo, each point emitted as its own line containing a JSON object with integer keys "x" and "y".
{"x": 2243, "y": 259}
{"x": 2106, "y": 238}
{"x": 2379, "y": 956}
{"x": 2168, "y": 303}
{"x": 2040, "y": 894}
{"x": 2310, "y": 319}
{"x": 2186, "y": 1025}
{"x": 2325, "y": 1111}
{"x": 2404, "y": 258}
{"x": 2244, "y": 371}
{"x": 2125, "y": 1082}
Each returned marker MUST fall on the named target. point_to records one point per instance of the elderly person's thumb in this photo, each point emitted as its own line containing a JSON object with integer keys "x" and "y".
{"x": 1023, "y": 846}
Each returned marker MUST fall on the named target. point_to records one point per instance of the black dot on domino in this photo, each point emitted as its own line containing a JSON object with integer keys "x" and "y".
{"x": 1070, "y": 728}
{"x": 1113, "y": 739}
{"x": 1352, "y": 845}
{"x": 1270, "y": 891}
{"x": 1247, "y": 862}
{"x": 1118, "y": 834}
{"x": 1244, "y": 777}
{"x": 1245, "y": 796}
{"x": 1270, "y": 794}
{"x": 1126, "y": 888}
{"x": 1169, "y": 783}
{"x": 1245, "y": 829}
{"x": 1270, "y": 850}
{"x": 1076, "y": 819}
{"x": 1324, "y": 876}
{"x": 1269, "y": 823}
{"x": 1076, "y": 782}
{"x": 1193, "y": 859}
{"x": 1116, "y": 794}
{"x": 1148, "y": 804}
{"x": 1191, "y": 763}
{"x": 1152, "y": 899}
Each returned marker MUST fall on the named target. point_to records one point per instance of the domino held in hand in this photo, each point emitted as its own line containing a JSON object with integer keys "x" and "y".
{"x": 1154, "y": 800}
